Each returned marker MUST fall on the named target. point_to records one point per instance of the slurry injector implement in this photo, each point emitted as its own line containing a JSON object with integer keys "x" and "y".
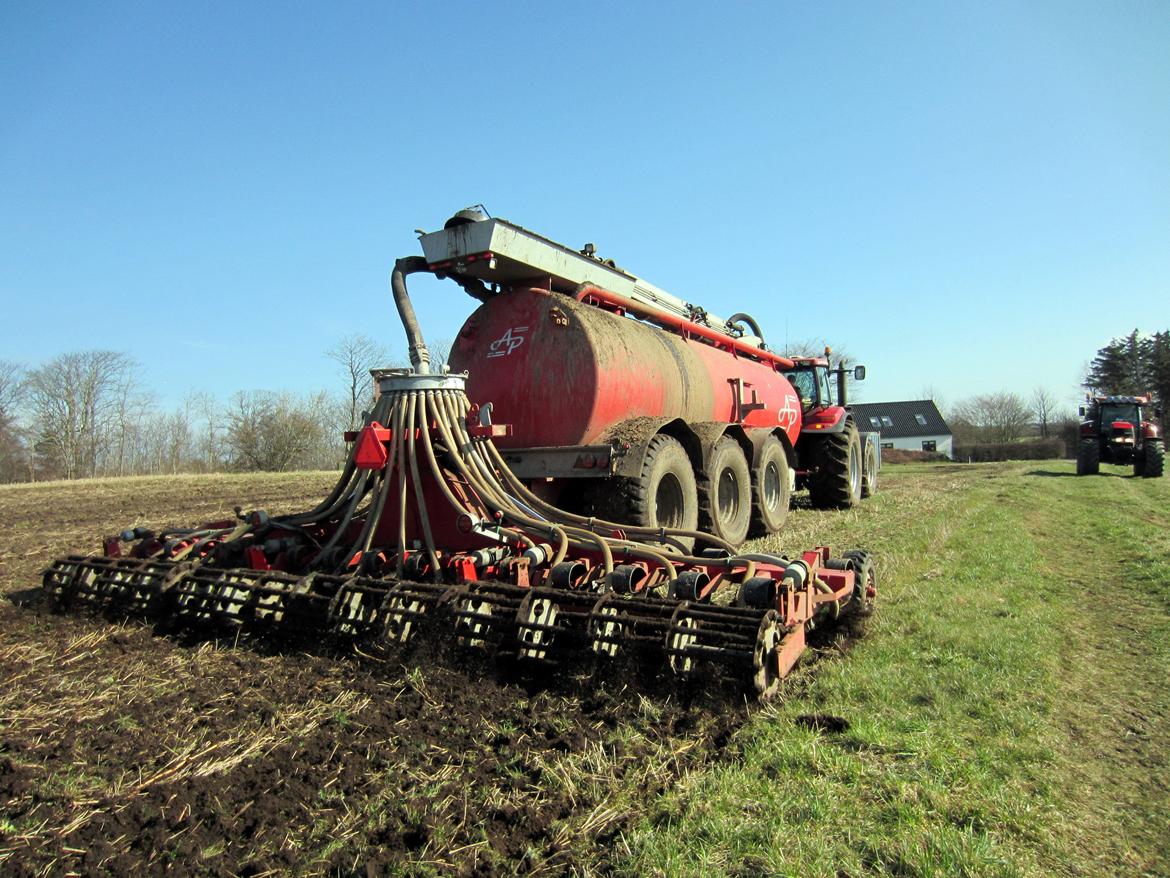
{"x": 579, "y": 484}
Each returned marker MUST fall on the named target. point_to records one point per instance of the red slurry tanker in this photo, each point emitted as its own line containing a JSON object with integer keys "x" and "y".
{"x": 580, "y": 480}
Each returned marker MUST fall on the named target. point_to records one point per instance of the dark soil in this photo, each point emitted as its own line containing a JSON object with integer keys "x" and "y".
{"x": 126, "y": 752}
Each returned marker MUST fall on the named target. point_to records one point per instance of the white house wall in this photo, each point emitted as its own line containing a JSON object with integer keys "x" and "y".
{"x": 914, "y": 443}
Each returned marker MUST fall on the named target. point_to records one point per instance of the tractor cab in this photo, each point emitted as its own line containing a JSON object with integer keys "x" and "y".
{"x": 812, "y": 378}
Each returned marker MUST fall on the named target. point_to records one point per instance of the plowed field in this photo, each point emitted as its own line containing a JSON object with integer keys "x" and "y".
{"x": 972, "y": 730}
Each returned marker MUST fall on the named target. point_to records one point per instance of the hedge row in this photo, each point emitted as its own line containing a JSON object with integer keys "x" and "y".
{"x": 904, "y": 455}
{"x": 1043, "y": 449}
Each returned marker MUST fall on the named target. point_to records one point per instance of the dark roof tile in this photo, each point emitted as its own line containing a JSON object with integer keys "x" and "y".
{"x": 904, "y": 416}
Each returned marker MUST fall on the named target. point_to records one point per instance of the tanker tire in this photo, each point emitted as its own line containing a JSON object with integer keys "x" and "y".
{"x": 1089, "y": 458}
{"x": 771, "y": 489}
{"x": 725, "y": 493}
{"x": 869, "y": 470}
{"x": 1155, "y": 455}
{"x": 835, "y": 482}
{"x": 667, "y": 485}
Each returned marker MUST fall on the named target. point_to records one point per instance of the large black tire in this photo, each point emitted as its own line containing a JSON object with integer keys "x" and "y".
{"x": 664, "y": 495}
{"x": 1089, "y": 458}
{"x": 1155, "y": 457}
{"x": 869, "y": 469}
{"x": 835, "y": 482}
{"x": 771, "y": 489}
{"x": 725, "y": 493}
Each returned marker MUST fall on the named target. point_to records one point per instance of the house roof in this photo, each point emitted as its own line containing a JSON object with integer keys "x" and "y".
{"x": 901, "y": 420}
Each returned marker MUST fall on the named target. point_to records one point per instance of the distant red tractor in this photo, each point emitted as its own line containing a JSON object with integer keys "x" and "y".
{"x": 1117, "y": 430}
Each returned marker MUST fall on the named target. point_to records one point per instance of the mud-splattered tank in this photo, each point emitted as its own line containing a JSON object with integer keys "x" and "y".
{"x": 562, "y": 372}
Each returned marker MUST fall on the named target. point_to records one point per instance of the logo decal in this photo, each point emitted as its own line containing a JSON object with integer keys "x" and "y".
{"x": 787, "y": 416}
{"x": 508, "y": 342}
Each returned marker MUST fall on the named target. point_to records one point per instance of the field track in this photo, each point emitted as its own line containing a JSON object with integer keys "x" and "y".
{"x": 1006, "y": 713}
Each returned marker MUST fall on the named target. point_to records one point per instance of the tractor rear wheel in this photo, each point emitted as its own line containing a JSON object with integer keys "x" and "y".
{"x": 1154, "y": 454}
{"x": 1089, "y": 458}
{"x": 664, "y": 495}
{"x": 725, "y": 497}
{"x": 771, "y": 484}
{"x": 869, "y": 469}
{"x": 835, "y": 482}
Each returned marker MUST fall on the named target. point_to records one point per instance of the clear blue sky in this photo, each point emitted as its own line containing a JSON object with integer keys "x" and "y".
{"x": 967, "y": 196}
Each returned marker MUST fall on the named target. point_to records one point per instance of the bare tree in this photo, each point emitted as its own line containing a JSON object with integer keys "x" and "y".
{"x": 991, "y": 417}
{"x": 1043, "y": 407}
{"x": 11, "y": 386}
{"x": 929, "y": 391}
{"x": 440, "y": 351}
{"x": 204, "y": 407}
{"x": 277, "y": 431}
{"x": 13, "y": 453}
{"x": 74, "y": 403}
{"x": 357, "y": 355}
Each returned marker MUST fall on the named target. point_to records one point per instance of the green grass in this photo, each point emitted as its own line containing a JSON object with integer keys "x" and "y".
{"x": 1007, "y": 710}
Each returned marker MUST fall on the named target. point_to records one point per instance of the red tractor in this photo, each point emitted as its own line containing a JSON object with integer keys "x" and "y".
{"x": 836, "y": 461}
{"x": 1117, "y": 430}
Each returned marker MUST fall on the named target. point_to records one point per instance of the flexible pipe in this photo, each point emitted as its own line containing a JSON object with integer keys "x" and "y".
{"x": 420, "y": 358}
{"x": 424, "y": 519}
{"x": 740, "y": 317}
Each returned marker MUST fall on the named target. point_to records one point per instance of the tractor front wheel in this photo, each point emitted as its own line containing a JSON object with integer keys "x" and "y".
{"x": 835, "y": 482}
{"x": 1154, "y": 455}
{"x": 1089, "y": 458}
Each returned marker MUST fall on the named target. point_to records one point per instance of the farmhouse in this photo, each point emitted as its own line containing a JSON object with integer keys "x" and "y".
{"x": 912, "y": 425}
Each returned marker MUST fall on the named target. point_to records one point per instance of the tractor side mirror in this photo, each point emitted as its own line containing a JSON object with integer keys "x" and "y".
{"x": 859, "y": 373}
{"x": 1081, "y": 411}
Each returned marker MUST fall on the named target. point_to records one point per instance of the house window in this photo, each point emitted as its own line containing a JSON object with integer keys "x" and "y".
{"x": 929, "y": 445}
{"x": 877, "y": 423}
{"x": 887, "y": 421}
{"x": 921, "y": 419}
{"x": 887, "y": 445}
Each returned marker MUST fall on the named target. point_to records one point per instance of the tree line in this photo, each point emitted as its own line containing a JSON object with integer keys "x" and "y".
{"x": 89, "y": 413}
{"x": 1132, "y": 365}
{"x": 1004, "y": 417}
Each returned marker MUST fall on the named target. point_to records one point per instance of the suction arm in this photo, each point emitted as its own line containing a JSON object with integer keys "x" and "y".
{"x": 750, "y": 321}
{"x": 420, "y": 357}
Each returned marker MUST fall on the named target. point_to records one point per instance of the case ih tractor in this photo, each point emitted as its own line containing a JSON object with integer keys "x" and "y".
{"x": 1117, "y": 430}
{"x": 835, "y": 461}
{"x": 580, "y": 481}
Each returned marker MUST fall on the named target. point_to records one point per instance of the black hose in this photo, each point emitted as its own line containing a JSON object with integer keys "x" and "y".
{"x": 740, "y": 317}
{"x": 420, "y": 357}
